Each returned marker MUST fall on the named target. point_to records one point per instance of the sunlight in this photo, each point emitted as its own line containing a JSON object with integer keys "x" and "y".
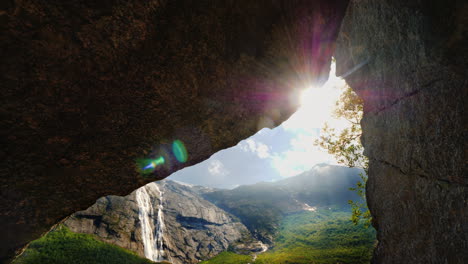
{"x": 317, "y": 104}
{"x": 281, "y": 152}
{"x": 314, "y": 101}
{"x": 317, "y": 107}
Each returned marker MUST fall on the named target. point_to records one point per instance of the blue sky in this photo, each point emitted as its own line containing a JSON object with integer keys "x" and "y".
{"x": 278, "y": 153}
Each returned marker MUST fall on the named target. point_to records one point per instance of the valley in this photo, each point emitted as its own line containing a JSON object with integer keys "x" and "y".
{"x": 301, "y": 219}
{"x": 324, "y": 236}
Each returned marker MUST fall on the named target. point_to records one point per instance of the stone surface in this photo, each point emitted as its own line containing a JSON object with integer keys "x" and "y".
{"x": 194, "y": 228}
{"x": 408, "y": 61}
{"x": 90, "y": 87}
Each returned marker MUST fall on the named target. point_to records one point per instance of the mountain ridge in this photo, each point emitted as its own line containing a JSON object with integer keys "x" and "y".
{"x": 201, "y": 222}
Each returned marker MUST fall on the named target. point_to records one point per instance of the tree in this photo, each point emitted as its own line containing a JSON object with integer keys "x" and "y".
{"x": 348, "y": 150}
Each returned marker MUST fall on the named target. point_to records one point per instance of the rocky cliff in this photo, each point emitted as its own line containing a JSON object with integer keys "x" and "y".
{"x": 262, "y": 206}
{"x": 193, "y": 229}
{"x": 90, "y": 87}
{"x": 408, "y": 61}
{"x": 196, "y": 222}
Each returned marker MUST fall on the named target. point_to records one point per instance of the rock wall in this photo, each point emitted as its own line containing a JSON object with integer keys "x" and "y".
{"x": 90, "y": 87}
{"x": 194, "y": 229}
{"x": 408, "y": 61}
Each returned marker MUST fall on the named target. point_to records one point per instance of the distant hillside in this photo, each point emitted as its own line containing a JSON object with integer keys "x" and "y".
{"x": 323, "y": 236}
{"x": 261, "y": 206}
{"x": 323, "y": 185}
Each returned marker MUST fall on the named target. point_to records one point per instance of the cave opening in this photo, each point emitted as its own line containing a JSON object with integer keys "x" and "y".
{"x": 281, "y": 152}
{"x": 255, "y": 200}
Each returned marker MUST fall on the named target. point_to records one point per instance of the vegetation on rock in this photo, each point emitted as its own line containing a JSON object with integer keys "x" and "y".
{"x": 64, "y": 246}
{"x": 348, "y": 150}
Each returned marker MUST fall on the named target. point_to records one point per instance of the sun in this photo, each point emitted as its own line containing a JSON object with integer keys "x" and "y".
{"x": 317, "y": 104}
{"x": 322, "y": 99}
{"x": 317, "y": 98}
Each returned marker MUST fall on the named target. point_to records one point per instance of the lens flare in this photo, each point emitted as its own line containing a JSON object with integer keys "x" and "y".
{"x": 179, "y": 151}
{"x": 154, "y": 163}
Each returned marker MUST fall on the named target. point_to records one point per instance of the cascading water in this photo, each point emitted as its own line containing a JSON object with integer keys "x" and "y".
{"x": 153, "y": 240}
{"x": 160, "y": 228}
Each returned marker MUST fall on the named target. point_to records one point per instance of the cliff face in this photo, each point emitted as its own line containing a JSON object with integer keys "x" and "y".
{"x": 198, "y": 222}
{"x": 408, "y": 61}
{"x": 193, "y": 229}
{"x": 262, "y": 206}
{"x": 89, "y": 88}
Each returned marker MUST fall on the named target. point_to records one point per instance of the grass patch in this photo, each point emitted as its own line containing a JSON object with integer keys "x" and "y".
{"x": 229, "y": 258}
{"x": 322, "y": 237}
{"x": 63, "y": 246}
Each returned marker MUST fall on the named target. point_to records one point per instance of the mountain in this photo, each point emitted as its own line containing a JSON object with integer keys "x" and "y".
{"x": 183, "y": 223}
{"x": 324, "y": 236}
{"x": 261, "y": 206}
{"x": 186, "y": 229}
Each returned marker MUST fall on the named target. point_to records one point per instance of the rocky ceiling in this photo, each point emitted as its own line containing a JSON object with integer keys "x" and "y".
{"x": 90, "y": 88}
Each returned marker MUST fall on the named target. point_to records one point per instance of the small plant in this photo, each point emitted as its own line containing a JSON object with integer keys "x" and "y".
{"x": 348, "y": 150}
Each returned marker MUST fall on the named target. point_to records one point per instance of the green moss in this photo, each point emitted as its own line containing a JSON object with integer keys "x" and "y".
{"x": 64, "y": 246}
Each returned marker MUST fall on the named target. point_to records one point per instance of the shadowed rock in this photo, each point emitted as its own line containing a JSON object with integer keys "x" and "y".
{"x": 88, "y": 88}
{"x": 408, "y": 61}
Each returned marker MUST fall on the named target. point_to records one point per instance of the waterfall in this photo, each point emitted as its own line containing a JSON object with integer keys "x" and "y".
{"x": 153, "y": 240}
{"x": 160, "y": 228}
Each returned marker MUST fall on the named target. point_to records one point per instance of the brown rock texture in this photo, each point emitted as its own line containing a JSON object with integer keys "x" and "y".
{"x": 194, "y": 229}
{"x": 408, "y": 61}
{"x": 89, "y": 87}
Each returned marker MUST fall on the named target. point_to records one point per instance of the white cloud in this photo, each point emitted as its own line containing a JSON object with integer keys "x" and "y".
{"x": 251, "y": 144}
{"x": 293, "y": 162}
{"x": 263, "y": 151}
{"x": 217, "y": 168}
{"x": 322, "y": 170}
{"x": 301, "y": 156}
{"x": 258, "y": 148}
